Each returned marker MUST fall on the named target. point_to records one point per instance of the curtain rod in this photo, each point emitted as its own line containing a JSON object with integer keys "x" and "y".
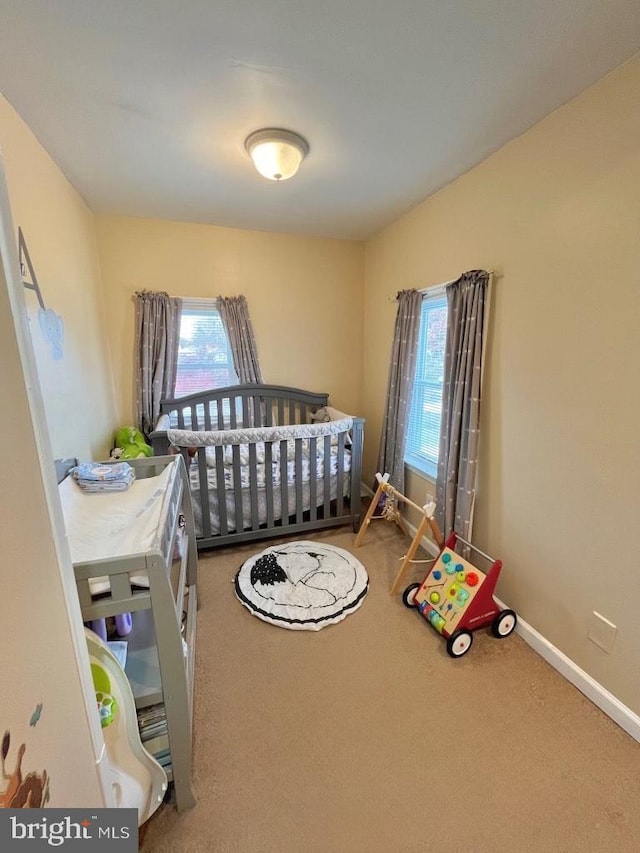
{"x": 442, "y": 285}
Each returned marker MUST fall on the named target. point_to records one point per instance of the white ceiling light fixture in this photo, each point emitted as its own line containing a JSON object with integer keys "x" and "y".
{"x": 276, "y": 153}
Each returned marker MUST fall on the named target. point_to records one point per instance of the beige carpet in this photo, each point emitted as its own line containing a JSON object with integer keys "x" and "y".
{"x": 366, "y": 736}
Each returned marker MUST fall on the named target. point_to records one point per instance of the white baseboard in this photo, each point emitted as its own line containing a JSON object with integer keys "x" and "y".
{"x": 593, "y": 690}
{"x": 607, "y": 702}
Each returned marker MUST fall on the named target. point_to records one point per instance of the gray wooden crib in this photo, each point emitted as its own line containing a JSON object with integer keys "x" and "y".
{"x": 264, "y": 461}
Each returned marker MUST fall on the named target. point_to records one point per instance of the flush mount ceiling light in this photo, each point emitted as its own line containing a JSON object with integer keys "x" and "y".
{"x": 276, "y": 153}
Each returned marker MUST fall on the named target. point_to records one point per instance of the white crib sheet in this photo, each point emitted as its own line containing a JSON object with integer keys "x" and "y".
{"x": 105, "y": 525}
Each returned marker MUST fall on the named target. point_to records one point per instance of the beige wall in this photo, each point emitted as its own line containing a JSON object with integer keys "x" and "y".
{"x": 556, "y": 213}
{"x": 60, "y": 234}
{"x": 44, "y": 661}
{"x": 304, "y": 295}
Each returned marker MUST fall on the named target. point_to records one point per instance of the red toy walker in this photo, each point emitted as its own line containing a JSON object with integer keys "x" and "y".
{"x": 457, "y": 598}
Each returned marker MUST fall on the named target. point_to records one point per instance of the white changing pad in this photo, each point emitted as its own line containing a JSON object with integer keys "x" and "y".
{"x": 107, "y": 525}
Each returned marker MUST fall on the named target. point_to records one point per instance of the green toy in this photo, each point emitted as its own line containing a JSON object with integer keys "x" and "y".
{"x": 106, "y": 703}
{"x": 130, "y": 444}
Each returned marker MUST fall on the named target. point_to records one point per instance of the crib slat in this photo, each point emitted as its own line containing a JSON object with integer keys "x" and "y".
{"x": 221, "y": 492}
{"x": 237, "y": 485}
{"x": 326, "y": 470}
{"x": 340, "y": 474}
{"x": 357, "y": 432}
{"x": 268, "y": 411}
{"x": 220, "y": 413}
{"x": 268, "y": 480}
{"x": 204, "y": 491}
{"x": 253, "y": 487}
{"x": 284, "y": 485}
{"x": 298, "y": 479}
{"x": 313, "y": 479}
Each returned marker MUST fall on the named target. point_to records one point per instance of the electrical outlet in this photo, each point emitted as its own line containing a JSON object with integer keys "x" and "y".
{"x": 602, "y": 632}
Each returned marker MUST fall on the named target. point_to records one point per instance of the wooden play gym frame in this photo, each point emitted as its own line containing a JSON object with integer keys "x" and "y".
{"x": 428, "y": 523}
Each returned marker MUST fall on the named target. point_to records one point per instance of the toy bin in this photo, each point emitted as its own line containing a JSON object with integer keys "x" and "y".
{"x": 456, "y": 597}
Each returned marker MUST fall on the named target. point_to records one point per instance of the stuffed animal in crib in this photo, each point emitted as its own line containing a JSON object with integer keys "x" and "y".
{"x": 131, "y": 444}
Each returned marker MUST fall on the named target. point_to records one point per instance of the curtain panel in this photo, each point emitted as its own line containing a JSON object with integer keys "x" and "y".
{"x": 234, "y": 311}
{"x": 402, "y": 370}
{"x": 467, "y": 299}
{"x": 156, "y": 349}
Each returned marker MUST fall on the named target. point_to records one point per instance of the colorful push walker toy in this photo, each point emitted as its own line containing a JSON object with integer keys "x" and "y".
{"x": 457, "y": 598}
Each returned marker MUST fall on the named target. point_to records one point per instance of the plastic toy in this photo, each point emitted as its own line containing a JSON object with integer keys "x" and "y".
{"x": 107, "y": 705}
{"x": 123, "y": 622}
{"x": 137, "y": 779}
{"x": 457, "y": 598}
{"x": 130, "y": 444}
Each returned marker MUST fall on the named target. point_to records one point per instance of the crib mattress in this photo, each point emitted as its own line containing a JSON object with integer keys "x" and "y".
{"x": 102, "y": 526}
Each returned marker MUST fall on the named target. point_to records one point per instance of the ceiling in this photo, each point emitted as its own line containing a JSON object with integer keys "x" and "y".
{"x": 145, "y": 105}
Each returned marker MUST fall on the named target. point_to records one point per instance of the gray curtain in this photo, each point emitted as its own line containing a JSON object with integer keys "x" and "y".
{"x": 157, "y": 337}
{"x": 235, "y": 317}
{"x": 460, "y": 425}
{"x": 401, "y": 376}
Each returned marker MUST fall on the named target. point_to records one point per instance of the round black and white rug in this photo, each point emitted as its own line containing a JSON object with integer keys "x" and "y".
{"x": 302, "y": 585}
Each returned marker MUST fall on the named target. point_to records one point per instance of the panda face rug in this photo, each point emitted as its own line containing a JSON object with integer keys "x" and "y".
{"x": 302, "y": 585}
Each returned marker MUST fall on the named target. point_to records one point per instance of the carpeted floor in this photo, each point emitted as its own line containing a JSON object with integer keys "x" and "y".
{"x": 366, "y": 736}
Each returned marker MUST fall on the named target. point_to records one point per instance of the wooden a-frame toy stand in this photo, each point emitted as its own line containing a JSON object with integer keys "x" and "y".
{"x": 428, "y": 523}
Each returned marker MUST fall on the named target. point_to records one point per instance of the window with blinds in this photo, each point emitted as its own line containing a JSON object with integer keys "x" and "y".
{"x": 423, "y": 434}
{"x": 204, "y": 354}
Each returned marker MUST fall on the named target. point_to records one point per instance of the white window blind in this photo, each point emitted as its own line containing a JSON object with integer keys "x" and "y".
{"x": 423, "y": 434}
{"x": 204, "y": 354}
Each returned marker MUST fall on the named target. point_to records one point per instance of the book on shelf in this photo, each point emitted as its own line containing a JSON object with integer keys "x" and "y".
{"x": 156, "y": 746}
{"x": 149, "y": 732}
{"x": 156, "y": 716}
{"x": 150, "y": 715}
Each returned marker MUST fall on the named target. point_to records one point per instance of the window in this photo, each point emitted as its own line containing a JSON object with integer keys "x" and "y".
{"x": 204, "y": 354}
{"x": 423, "y": 434}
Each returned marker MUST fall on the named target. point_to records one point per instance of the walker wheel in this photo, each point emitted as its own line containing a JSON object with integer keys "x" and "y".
{"x": 459, "y": 643}
{"x": 409, "y": 595}
{"x": 504, "y": 623}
